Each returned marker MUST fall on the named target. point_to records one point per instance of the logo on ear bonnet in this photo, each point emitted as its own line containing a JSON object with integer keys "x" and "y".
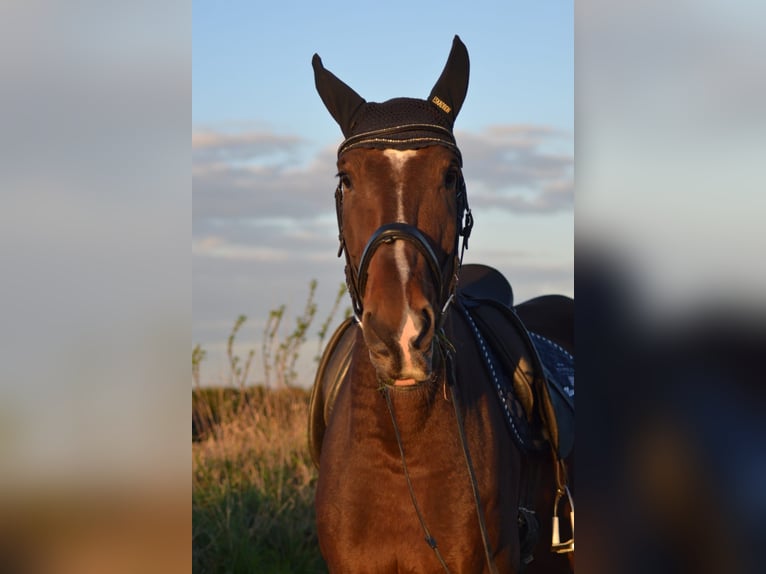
{"x": 441, "y": 104}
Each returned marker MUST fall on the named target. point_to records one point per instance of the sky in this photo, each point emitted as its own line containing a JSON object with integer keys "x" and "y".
{"x": 264, "y": 147}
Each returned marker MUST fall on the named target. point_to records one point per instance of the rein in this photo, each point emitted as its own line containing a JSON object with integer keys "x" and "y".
{"x": 430, "y": 540}
{"x": 449, "y": 364}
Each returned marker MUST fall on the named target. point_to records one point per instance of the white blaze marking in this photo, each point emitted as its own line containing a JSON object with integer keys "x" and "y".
{"x": 408, "y": 333}
{"x": 399, "y": 159}
{"x": 407, "y": 329}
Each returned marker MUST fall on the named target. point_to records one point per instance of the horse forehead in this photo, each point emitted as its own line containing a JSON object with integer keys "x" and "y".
{"x": 398, "y": 158}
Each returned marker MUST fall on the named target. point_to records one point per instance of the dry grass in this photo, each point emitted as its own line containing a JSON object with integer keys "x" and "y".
{"x": 253, "y": 483}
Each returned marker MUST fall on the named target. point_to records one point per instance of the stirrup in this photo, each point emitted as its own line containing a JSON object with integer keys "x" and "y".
{"x": 556, "y": 545}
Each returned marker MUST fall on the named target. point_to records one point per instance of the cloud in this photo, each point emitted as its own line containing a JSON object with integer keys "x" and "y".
{"x": 553, "y": 197}
{"x": 256, "y": 199}
{"x": 213, "y": 246}
{"x": 258, "y": 175}
{"x": 519, "y": 168}
{"x": 213, "y": 146}
{"x": 294, "y": 240}
{"x": 261, "y": 192}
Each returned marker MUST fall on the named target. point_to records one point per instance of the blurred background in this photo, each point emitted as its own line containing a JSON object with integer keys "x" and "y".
{"x": 669, "y": 286}
{"x": 97, "y": 306}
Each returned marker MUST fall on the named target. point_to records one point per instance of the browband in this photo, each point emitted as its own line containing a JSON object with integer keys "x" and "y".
{"x": 421, "y": 135}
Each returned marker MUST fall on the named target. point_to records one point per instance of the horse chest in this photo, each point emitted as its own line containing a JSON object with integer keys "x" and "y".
{"x": 365, "y": 512}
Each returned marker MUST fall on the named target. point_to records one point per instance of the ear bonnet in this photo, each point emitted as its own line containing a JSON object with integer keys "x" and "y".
{"x": 399, "y": 123}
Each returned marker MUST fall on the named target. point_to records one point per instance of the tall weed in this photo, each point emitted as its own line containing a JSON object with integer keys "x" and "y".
{"x": 253, "y": 479}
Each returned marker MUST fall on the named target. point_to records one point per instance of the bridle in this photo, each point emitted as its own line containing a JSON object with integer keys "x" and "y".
{"x": 356, "y": 277}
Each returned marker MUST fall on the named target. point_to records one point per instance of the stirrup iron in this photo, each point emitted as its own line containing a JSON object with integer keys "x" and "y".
{"x": 556, "y": 545}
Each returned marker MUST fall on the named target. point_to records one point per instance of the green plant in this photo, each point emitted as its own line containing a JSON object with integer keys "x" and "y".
{"x": 284, "y": 354}
{"x": 253, "y": 485}
{"x": 281, "y": 355}
{"x": 238, "y": 374}
{"x": 253, "y": 479}
{"x": 198, "y": 355}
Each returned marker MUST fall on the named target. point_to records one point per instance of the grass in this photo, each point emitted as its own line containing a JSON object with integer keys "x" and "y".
{"x": 253, "y": 484}
{"x": 253, "y": 481}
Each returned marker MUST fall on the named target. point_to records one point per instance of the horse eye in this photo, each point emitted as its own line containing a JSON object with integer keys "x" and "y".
{"x": 450, "y": 179}
{"x": 345, "y": 182}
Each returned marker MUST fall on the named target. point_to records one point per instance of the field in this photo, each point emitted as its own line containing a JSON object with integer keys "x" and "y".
{"x": 253, "y": 482}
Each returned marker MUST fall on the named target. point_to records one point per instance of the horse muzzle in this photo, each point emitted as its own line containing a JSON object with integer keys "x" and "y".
{"x": 404, "y": 355}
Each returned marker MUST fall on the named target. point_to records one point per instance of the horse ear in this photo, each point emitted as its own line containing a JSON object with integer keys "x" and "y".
{"x": 450, "y": 89}
{"x": 341, "y": 101}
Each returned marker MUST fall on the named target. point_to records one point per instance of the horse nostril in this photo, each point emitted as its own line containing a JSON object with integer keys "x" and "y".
{"x": 375, "y": 335}
{"x": 423, "y": 340}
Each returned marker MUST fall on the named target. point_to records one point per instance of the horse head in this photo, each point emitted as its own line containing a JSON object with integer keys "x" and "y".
{"x": 401, "y": 204}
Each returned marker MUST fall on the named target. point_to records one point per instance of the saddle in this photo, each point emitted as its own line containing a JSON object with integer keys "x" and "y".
{"x": 527, "y": 351}
{"x": 524, "y": 349}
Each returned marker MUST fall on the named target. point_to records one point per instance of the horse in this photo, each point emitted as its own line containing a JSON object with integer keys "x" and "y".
{"x": 419, "y": 470}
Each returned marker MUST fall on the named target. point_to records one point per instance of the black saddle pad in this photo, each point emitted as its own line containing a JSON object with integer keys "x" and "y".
{"x": 510, "y": 343}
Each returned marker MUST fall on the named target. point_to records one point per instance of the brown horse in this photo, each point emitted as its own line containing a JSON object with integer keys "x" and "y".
{"x": 419, "y": 471}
